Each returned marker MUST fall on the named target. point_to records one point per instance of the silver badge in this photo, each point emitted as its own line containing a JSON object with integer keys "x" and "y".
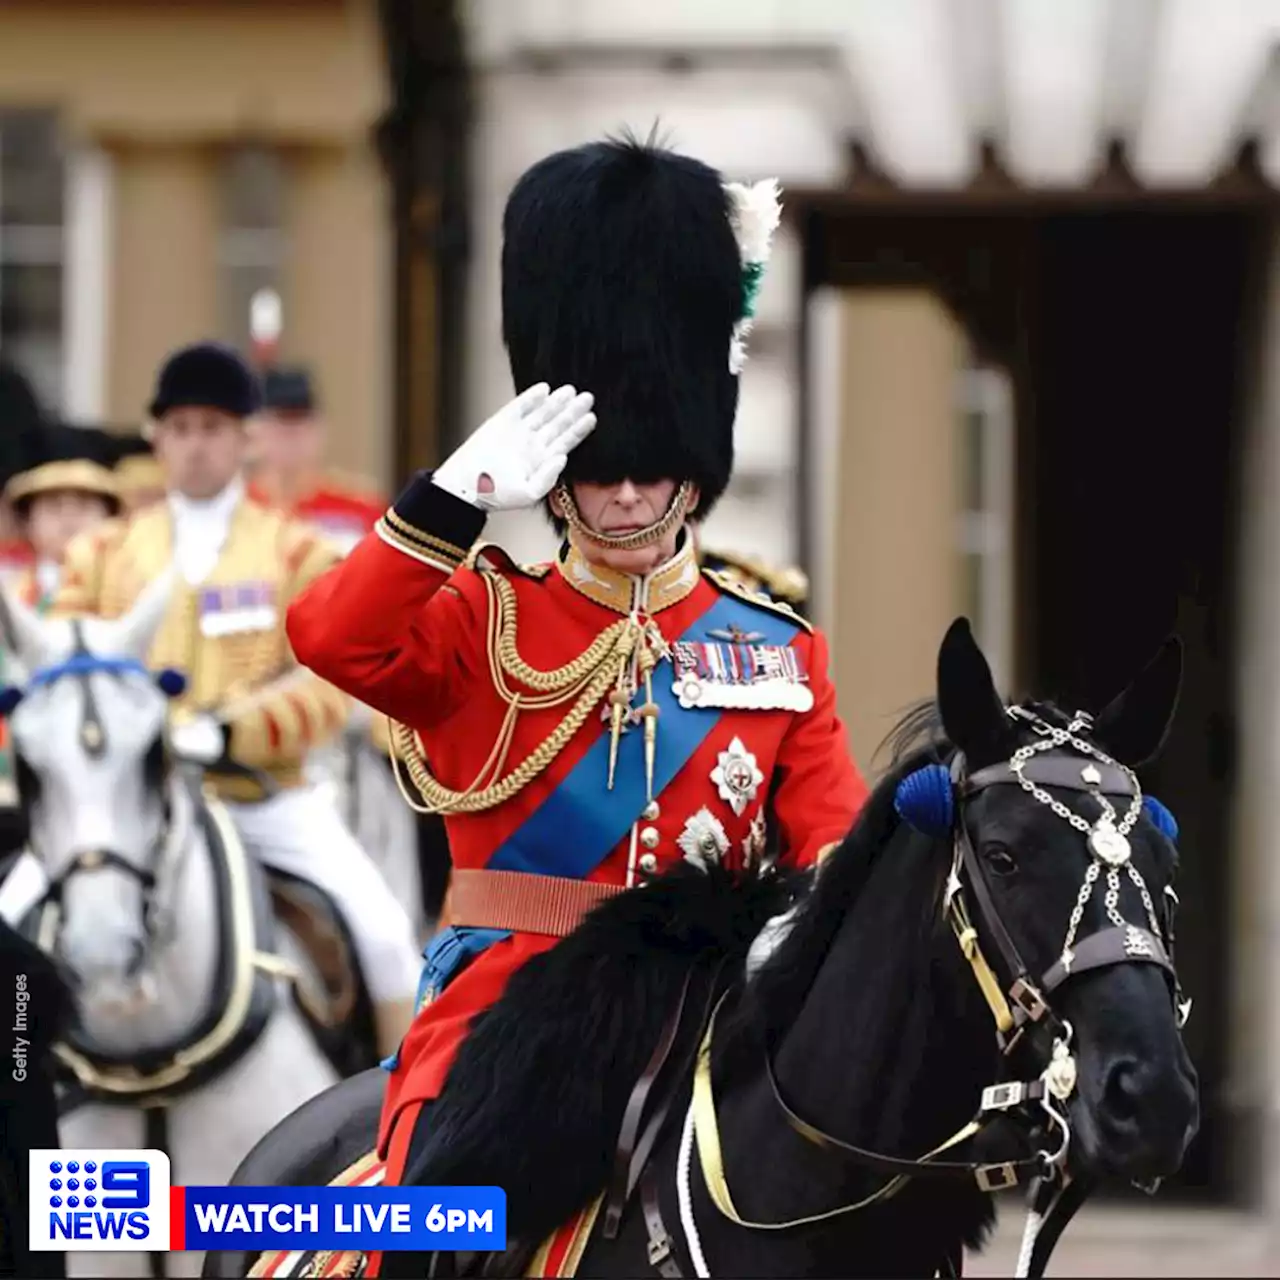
{"x": 737, "y": 776}
{"x": 1061, "y": 1073}
{"x": 1109, "y": 845}
{"x": 1136, "y": 943}
{"x": 703, "y": 840}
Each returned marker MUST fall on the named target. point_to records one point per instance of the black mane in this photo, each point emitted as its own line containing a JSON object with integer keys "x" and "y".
{"x": 917, "y": 739}
{"x": 782, "y": 980}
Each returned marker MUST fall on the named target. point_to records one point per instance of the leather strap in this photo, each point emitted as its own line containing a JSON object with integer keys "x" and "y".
{"x": 1107, "y": 947}
{"x": 1066, "y": 772}
{"x": 620, "y": 1184}
{"x": 661, "y": 1245}
{"x": 523, "y": 902}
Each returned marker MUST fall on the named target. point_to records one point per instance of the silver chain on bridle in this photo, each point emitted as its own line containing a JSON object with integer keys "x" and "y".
{"x": 1107, "y": 840}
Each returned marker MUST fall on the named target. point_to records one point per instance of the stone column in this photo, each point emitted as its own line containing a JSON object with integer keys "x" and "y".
{"x": 1253, "y": 1082}
{"x": 337, "y": 298}
{"x": 894, "y": 541}
{"x": 86, "y": 281}
{"x": 164, "y": 267}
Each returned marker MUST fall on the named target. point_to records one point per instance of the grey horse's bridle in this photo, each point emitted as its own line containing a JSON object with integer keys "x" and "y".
{"x": 80, "y": 666}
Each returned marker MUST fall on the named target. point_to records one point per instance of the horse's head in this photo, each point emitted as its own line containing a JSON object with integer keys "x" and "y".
{"x": 1066, "y": 871}
{"x": 87, "y": 721}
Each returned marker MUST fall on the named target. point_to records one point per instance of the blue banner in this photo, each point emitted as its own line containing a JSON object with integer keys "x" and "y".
{"x": 365, "y": 1218}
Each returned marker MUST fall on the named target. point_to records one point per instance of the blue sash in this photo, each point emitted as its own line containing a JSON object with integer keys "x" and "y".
{"x": 579, "y": 824}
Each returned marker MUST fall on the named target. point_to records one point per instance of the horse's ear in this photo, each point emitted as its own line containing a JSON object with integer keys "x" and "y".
{"x": 1134, "y": 725}
{"x": 972, "y": 713}
{"x": 133, "y": 633}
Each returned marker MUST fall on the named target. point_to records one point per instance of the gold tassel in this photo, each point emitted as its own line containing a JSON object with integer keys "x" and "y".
{"x": 621, "y": 702}
{"x": 649, "y": 712}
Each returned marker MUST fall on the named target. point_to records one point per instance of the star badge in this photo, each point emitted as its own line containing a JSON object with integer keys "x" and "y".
{"x": 737, "y": 776}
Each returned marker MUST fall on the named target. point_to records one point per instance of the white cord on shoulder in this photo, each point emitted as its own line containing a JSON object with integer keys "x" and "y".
{"x": 684, "y": 1194}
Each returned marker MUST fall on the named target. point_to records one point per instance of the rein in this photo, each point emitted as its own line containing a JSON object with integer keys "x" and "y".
{"x": 1019, "y": 1005}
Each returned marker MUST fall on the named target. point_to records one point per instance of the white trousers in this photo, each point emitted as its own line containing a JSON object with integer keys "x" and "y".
{"x": 301, "y": 832}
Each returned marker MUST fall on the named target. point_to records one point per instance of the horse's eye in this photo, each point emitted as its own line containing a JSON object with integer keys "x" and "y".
{"x": 1000, "y": 860}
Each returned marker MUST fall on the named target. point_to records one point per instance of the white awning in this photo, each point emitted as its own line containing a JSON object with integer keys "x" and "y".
{"x": 1051, "y": 83}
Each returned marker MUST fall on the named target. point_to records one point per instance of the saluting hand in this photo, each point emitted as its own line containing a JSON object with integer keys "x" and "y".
{"x": 515, "y": 458}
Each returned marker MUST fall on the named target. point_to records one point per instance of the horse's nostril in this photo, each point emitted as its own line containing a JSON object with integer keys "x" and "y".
{"x": 1123, "y": 1095}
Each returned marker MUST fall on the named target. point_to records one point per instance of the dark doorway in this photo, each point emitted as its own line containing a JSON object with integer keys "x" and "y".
{"x": 1127, "y": 332}
{"x": 1139, "y": 335}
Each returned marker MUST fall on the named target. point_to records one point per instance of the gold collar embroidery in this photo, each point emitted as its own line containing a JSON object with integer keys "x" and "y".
{"x": 622, "y": 592}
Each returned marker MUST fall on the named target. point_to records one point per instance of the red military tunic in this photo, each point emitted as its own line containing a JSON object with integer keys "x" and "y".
{"x": 401, "y": 625}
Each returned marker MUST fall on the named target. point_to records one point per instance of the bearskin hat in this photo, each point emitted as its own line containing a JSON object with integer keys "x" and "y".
{"x": 208, "y": 374}
{"x": 622, "y": 276}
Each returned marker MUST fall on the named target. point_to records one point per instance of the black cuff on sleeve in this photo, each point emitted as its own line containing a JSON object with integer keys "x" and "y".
{"x": 428, "y": 520}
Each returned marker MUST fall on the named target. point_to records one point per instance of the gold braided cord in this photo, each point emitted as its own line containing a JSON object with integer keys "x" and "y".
{"x": 589, "y": 677}
{"x": 655, "y": 532}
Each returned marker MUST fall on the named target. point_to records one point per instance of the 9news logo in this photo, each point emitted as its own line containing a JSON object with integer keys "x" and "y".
{"x": 96, "y": 1200}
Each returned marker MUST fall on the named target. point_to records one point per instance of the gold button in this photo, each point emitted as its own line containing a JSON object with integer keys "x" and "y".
{"x": 649, "y": 837}
{"x": 648, "y": 862}
{"x": 651, "y": 811}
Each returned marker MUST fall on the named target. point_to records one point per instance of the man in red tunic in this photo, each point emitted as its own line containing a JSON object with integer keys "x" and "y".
{"x": 586, "y": 723}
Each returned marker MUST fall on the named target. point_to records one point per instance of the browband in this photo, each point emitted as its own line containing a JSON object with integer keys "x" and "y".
{"x": 1073, "y": 773}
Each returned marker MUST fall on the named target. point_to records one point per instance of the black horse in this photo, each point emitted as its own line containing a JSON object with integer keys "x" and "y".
{"x": 842, "y": 1118}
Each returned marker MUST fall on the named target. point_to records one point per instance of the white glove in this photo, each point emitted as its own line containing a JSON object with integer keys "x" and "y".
{"x": 201, "y": 740}
{"x": 522, "y": 449}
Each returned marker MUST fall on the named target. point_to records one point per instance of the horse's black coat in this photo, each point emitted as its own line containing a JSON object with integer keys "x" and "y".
{"x": 875, "y": 1026}
{"x": 535, "y": 1099}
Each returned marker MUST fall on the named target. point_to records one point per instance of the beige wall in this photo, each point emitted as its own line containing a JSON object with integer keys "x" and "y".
{"x": 337, "y": 296}
{"x": 894, "y": 542}
{"x": 164, "y": 90}
{"x": 162, "y": 265}
{"x": 296, "y": 70}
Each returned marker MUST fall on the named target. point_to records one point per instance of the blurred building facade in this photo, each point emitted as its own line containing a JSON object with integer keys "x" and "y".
{"x": 160, "y": 162}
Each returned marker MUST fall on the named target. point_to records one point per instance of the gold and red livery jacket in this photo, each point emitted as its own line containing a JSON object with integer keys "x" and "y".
{"x": 401, "y": 625}
{"x": 226, "y": 634}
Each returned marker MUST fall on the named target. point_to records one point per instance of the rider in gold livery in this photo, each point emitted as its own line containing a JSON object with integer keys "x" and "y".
{"x": 249, "y": 714}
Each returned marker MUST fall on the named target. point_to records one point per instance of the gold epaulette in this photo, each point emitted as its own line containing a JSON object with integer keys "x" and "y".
{"x": 787, "y": 583}
{"x": 729, "y": 583}
{"x": 497, "y": 559}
